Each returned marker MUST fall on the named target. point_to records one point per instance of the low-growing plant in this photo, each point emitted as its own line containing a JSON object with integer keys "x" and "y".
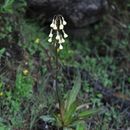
{"x": 71, "y": 115}
{"x": 12, "y": 100}
{"x": 7, "y": 7}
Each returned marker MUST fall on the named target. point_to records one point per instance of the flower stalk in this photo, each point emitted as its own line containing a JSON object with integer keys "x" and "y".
{"x": 57, "y": 37}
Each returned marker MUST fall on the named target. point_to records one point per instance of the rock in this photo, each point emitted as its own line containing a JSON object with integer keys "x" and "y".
{"x": 78, "y": 13}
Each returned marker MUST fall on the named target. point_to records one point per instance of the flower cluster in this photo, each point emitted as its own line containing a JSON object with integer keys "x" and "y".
{"x": 57, "y": 30}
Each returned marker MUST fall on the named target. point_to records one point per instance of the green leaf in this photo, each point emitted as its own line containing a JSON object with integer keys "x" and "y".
{"x": 7, "y": 7}
{"x": 1, "y": 119}
{"x": 85, "y": 114}
{"x": 80, "y": 126}
{"x": 74, "y": 92}
{"x": 2, "y": 52}
{"x": 1, "y": 84}
{"x": 47, "y": 118}
{"x": 67, "y": 128}
{"x": 58, "y": 120}
{"x": 69, "y": 114}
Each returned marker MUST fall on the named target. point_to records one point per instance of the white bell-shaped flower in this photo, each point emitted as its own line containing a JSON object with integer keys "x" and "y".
{"x": 55, "y": 27}
{"x": 61, "y": 27}
{"x": 62, "y": 40}
{"x": 64, "y": 22}
{"x": 60, "y": 47}
{"x": 57, "y": 36}
{"x": 50, "y": 39}
{"x": 51, "y": 34}
{"x": 52, "y": 25}
{"x": 64, "y": 34}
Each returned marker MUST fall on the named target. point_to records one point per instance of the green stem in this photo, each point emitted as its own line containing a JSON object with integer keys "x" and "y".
{"x": 56, "y": 85}
{"x": 56, "y": 75}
